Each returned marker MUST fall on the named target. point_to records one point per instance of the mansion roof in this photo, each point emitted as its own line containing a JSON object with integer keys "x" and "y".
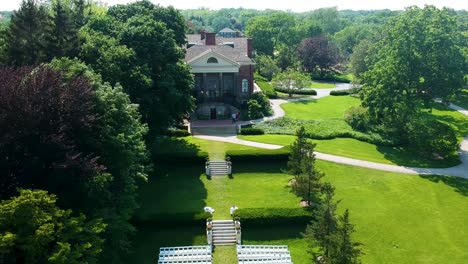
{"x": 235, "y": 49}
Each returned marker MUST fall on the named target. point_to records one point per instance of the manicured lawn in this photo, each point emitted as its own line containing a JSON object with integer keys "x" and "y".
{"x": 321, "y": 85}
{"x": 265, "y": 87}
{"x": 402, "y": 218}
{"x": 225, "y": 254}
{"x": 399, "y": 218}
{"x": 185, "y": 189}
{"x": 327, "y": 107}
{"x": 352, "y": 148}
{"x": 462, "y": 99}
{"x": 215, "y": 149}
{"x": 454, "y": 118}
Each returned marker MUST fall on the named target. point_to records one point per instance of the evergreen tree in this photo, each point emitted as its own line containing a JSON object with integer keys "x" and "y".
{"x": 332, "y": 234}
{"x": 322, "y": 231}
{"x": 62, "y": 34}
{"x": 79, "y": 8}
{"x": 348, "y": 251}
{"x": 301, "y": 164}
{"x": 26, "y": 34}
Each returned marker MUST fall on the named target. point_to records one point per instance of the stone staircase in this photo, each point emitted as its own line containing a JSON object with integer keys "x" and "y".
{"x": 218, "y": 168}
{"x": 214, "y": 130}
{"x": 224, "y": 232}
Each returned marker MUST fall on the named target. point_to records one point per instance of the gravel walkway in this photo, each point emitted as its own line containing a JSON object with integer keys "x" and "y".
{"x": 457, "y": 171}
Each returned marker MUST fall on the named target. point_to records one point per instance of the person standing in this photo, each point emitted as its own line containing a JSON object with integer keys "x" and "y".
{"x": 233, "y": 116}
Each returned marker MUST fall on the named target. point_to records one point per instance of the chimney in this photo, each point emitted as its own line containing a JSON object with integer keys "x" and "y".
{"x": 202, "y": 34}
{"x": 210, "y": 39}
{"x": 249, "y": 48}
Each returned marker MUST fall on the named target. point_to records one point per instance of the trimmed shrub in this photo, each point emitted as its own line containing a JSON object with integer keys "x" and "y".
{"x": 342, "y": 78}
{"x": 340, "y": 92}
{"x": 358, "y": 118}
{"x": 178, "y": 133}
{"x": 273, "y": 216}
{"x": 252, "y": 131}
{"x": 351, "y": 91}
{"x": 298, "y": 91}
{"x": 259, "y": 155}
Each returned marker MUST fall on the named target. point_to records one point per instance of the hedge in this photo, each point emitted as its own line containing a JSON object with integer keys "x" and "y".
{"x": 177, "y": 133}
{"x": 273, "y": 216}
{"x": 345, "y": 92}
{"x": 297, "y": 91}
{"x": 174, "y": 219}
{"x": 281, "y": 154}
{"x": 342, "y": 78}
{"x": 252, "y": 131}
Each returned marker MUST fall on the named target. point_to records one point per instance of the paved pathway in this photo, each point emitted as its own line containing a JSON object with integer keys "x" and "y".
{"x": 458, "y": 171}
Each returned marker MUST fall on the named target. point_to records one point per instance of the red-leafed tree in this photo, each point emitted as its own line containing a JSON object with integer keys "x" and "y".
{"x": 43, "y": 123}
{"x": 318, "y": 54}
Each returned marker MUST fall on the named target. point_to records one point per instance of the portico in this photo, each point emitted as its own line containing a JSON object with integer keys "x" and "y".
{"x": 223, "y": 74}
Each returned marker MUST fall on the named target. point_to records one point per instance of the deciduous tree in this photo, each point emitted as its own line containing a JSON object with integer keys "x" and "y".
{"x": 418, "y": 59}
{"x": 290, "y": 80}
{"x": 318, "y": 54}
{"x": 33, "y": 229}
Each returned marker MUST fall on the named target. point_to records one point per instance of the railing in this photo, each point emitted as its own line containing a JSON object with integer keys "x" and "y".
{"x": 209, "y": 232}
{"x": 238, "y": 232}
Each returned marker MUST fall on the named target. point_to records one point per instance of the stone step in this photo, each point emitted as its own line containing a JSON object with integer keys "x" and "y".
{"x": 222, "y": 221}
{"x": 223, "y": 226}
{"x": 224, "y": 232}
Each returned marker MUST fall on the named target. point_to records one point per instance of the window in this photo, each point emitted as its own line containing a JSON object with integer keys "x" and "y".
{"x": 245, "y": 86}
{"x": 212, "y": 60}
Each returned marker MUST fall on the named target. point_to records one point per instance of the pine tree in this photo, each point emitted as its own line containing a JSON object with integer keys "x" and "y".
{"x": 25, "y": 38}
{"x": 79, "y": 7}
{"x": 322, "y": 232}
{"x": 301, "y": 164}
{"x": 62, "y": 34}
{"x": 348, "y": 251}
{"x": 297, "y": 152}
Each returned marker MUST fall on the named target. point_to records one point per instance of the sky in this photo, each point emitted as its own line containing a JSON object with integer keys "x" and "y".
{"x": 294, "y": 5}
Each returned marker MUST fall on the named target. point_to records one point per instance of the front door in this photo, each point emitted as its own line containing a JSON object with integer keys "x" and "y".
{"x": 213, "y": 113}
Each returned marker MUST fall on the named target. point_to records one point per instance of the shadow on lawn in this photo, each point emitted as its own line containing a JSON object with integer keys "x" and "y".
{"x": 409, "y": 157}
{"x": 148, "y": 240}
{"x": 172, "y": 194}
{"x": 171, "y": 145}
{"x": 458, "y": 184}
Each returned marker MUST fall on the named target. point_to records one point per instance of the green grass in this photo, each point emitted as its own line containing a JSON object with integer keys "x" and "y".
{"x": 327, "y": 107}
{"x": 215, "y": 149}
{"x": 321, "y": 85}
{"x": 457, "y": 120}
{"x": 462, "y": 99}
{"x": 399, "y": 218}
{"x": 352, "y": 148}
{"x": 225, "y": 255}
{"x": 186, "y": 189}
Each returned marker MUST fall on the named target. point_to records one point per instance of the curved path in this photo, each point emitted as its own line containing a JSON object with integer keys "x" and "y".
{"x": 457, "y": 171}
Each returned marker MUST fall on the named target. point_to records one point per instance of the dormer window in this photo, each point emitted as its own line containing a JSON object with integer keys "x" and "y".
{"x": 212, "y": 60}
